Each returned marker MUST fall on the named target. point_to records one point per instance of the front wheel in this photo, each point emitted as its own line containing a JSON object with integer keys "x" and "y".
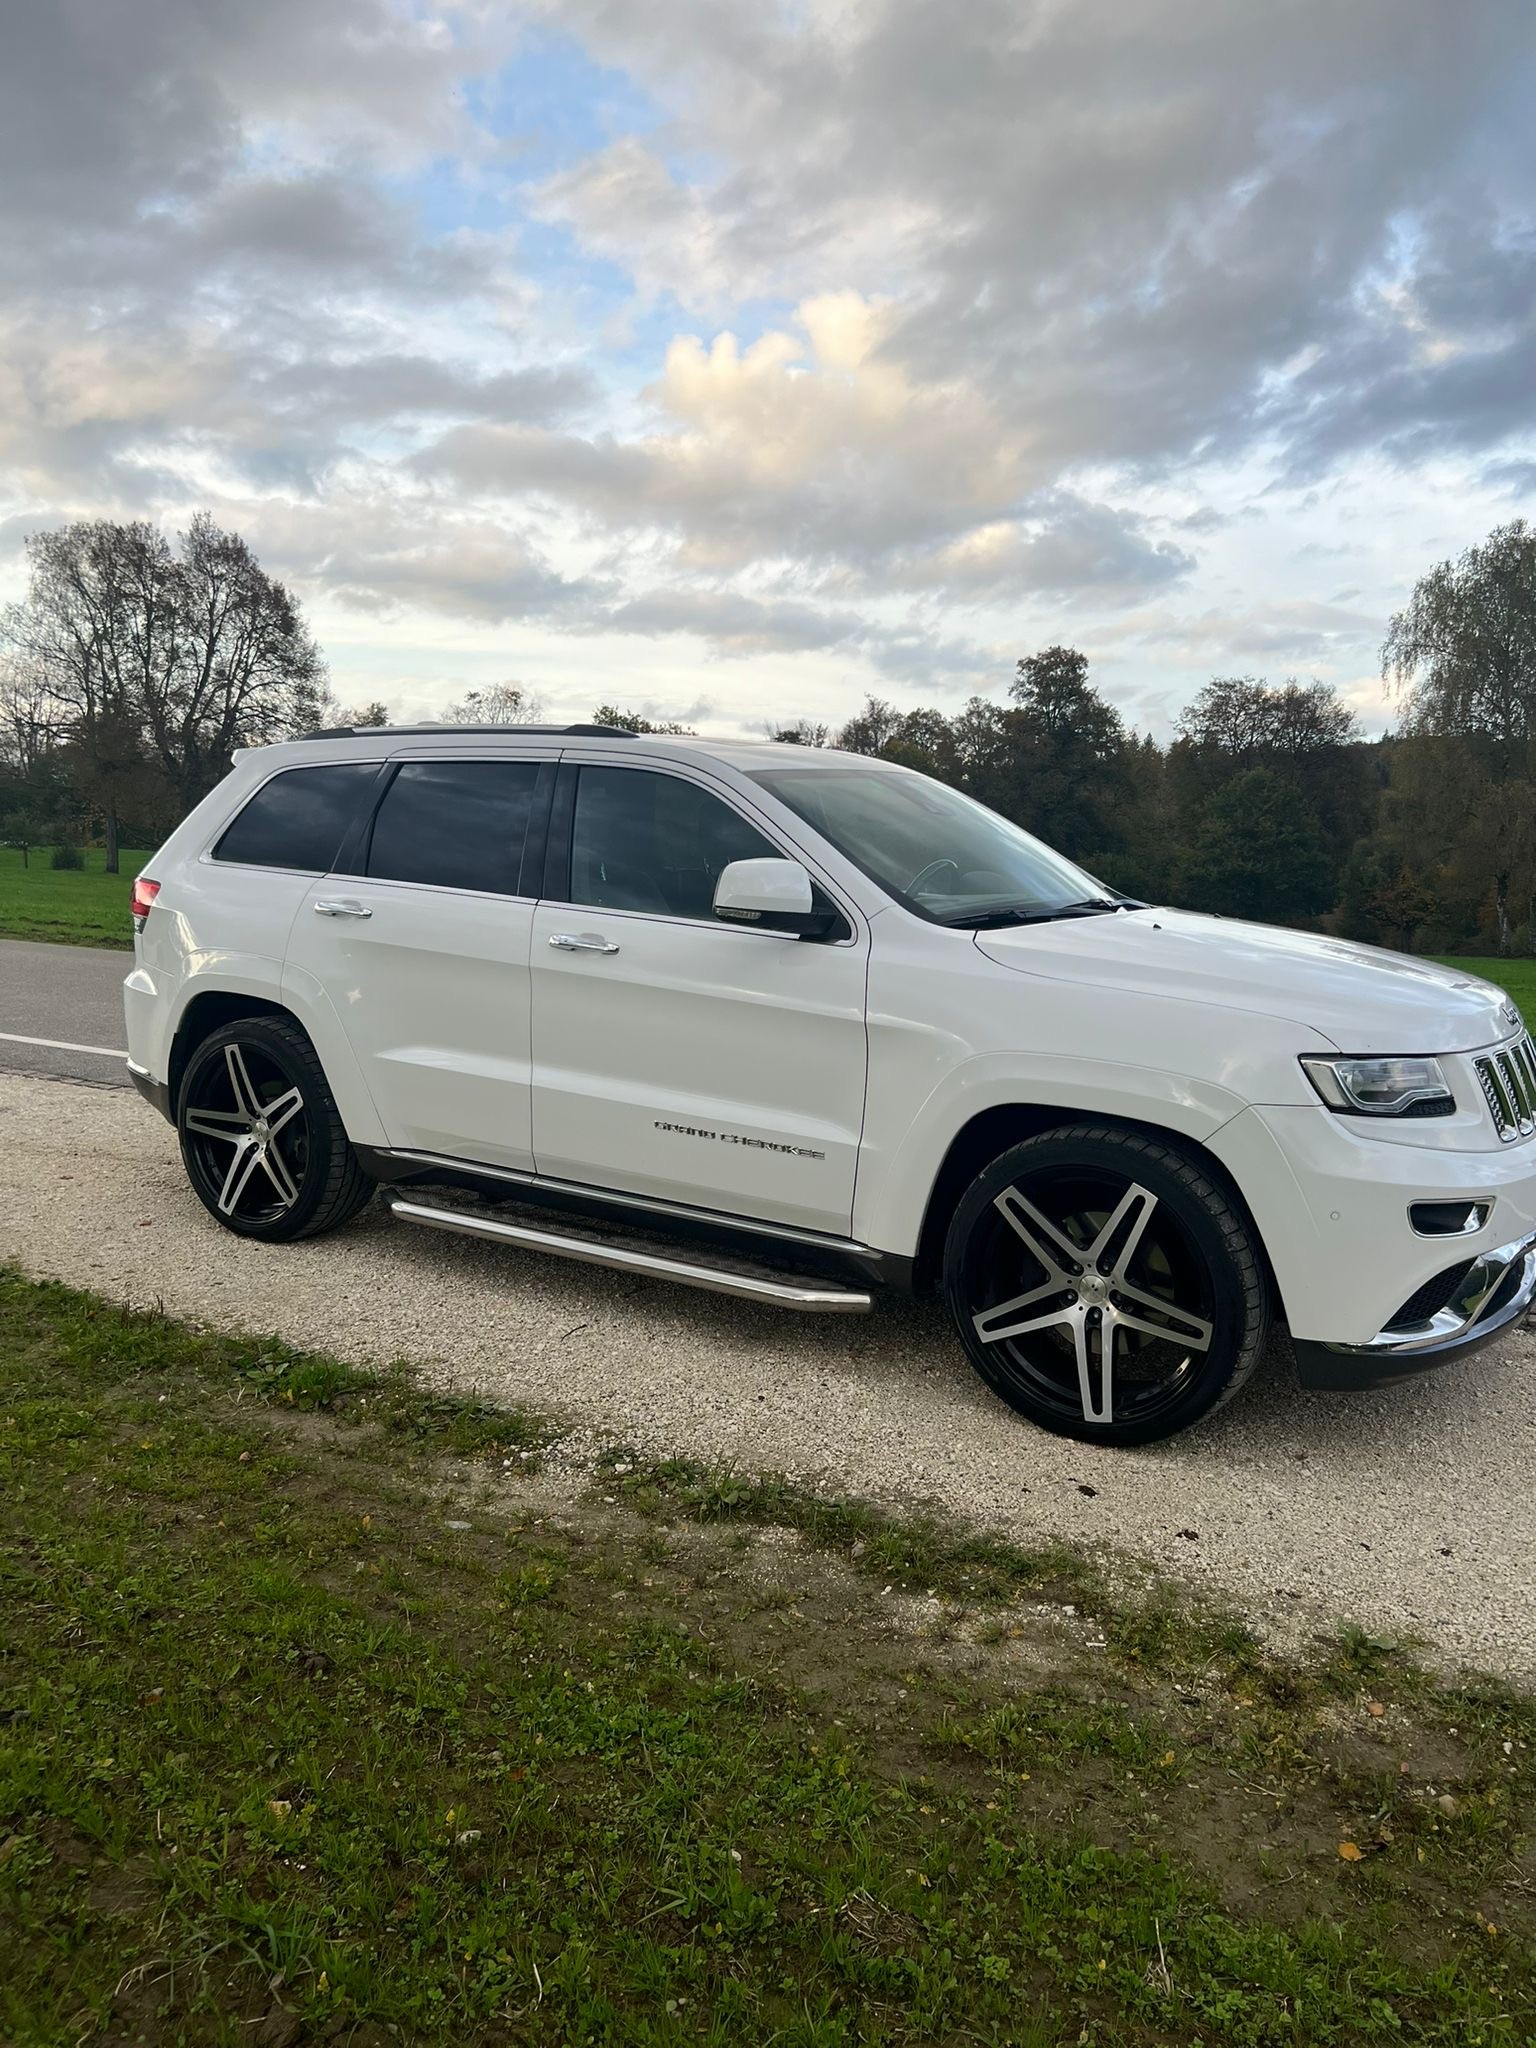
{"x": 1105, "y": 1286}
{"x": 261, "y": 1137}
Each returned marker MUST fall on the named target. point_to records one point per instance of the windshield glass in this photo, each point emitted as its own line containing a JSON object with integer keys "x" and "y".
{"x": 940, "y": 853}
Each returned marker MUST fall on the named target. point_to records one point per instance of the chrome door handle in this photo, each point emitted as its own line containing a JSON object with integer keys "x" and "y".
{"x": 341, "y": 906}
{"x": 582, "y": 942}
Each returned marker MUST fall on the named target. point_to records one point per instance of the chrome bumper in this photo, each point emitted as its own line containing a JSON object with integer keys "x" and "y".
{"x": 1495, "y": 1295}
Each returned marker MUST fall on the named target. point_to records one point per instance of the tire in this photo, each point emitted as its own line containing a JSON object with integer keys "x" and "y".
{"x": 261, "y": 1139}
{"x": 1095, "y": 1234}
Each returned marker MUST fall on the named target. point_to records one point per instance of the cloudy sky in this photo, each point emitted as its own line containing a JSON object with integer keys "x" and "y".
{"x": 731, "y": 359}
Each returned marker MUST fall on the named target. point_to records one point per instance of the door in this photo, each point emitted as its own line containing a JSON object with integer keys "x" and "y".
{"x": 423, "y": 953}
{"x": 675, "y": 1055}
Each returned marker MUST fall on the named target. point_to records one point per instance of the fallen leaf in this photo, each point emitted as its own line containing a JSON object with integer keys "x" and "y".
{"x": 281, "y": 1807}
{"x": 1376, "y": 1708}
{"x": 1351, "y": 1852}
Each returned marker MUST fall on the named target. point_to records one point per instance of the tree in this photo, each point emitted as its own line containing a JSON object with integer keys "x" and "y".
{"x": 158, "y": 663}
{"x": 498, "y": 704}
{"x": 234, "y": 666}
{"x": 1254, "y": 723}
{"x": 631, "y": 721}
{"x": 1259, "y": 853}
{"x": 1462, "y": 654}
{"x": 29, "y": 726}
{"x": 91, "y": 620}
{"x": 1496, "y": 855}
{"x": 1302, "y": 732}
{"x": 801, "y": 734}
{"x": 869, "y": 730}
{"x": 1064, "y": 767}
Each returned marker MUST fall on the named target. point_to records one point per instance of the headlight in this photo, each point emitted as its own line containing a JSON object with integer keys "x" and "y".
{"x": 1391, "y": 1087}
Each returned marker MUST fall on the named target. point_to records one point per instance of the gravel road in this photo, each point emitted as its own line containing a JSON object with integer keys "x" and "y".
{"x": 1408, "y": 1509}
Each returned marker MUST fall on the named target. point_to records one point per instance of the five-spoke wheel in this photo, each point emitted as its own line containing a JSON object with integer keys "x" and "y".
{"x": 1104, "y": 1285}
{"x": 261, "y": 1138}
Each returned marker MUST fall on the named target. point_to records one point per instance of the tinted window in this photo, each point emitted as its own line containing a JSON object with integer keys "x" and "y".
{"x": 298, "y": 819}
{"x": 456, "y": 824}
{"x": 654, "y": 842}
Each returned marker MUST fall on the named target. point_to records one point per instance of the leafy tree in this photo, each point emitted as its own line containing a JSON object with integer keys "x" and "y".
{"x": 160, "y": 661}
{"x": 925, "y": 740}
{"x": 1302, "y": 732}
{"x": 803, "y": 733}
{"x": 1064, "y": 763}
{"x": 868, "y": 730}
{"x": 1259, "y": 853}
{"x": 1382, "y": 900}
{"x": 1462, "y": 653}
{"x": 1257, "y": 724}
{"x": 631, "y": 721}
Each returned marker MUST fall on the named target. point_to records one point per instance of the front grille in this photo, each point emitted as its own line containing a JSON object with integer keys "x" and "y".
{"x": 1428, "y": 1301}
{"x": 1508, "y": 1079}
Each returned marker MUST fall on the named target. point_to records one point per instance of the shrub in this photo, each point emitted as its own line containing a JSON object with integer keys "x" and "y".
{"x": 67, "y": 856}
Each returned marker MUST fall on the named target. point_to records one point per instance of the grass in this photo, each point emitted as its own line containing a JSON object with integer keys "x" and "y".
{"x": 327, "y": 1714}
{"x": 1517, "y": 976}
{"x": 68, "y": 906}
{"x": 88, "y": 907}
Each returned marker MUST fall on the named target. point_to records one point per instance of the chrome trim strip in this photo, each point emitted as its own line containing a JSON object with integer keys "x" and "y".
{"x": 1478, "y": 1209}
{"x": 649, "y": 1205}
{"x": 618, "y": 1258}
{"x": 1507, "y": 1077}
{"x": 1462, "y": 1319}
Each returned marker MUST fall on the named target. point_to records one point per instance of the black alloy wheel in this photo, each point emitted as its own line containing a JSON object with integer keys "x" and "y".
{"x": 1105, "y": 1286}
{"x": 261, "y": 1137}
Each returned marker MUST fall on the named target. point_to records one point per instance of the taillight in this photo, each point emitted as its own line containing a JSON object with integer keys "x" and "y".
{"x": 144, "y": 894}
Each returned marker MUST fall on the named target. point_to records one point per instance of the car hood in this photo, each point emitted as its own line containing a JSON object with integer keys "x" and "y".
{"x": 1361, "y": 999}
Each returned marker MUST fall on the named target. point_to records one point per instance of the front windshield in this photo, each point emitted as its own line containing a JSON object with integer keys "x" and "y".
{"x": 940, "y": 853}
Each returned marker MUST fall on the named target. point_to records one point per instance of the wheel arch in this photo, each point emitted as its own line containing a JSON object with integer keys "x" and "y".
{"x": 207, "y": 1012}
{"x": 303, "y": 1002}
{"x": 992, "y": 1131}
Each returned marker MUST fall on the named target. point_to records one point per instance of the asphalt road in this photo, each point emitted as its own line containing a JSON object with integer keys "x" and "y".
{"x": 1407, "y": 1510}
{"x": 61, "y": 1012}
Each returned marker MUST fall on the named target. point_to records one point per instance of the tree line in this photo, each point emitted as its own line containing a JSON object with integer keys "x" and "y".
{"x": 132, "y": 669}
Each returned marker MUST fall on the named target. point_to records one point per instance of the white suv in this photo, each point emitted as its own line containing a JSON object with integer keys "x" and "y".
{"x": 791, "y": 1023}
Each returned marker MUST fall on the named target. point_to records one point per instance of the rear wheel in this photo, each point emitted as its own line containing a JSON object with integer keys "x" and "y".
{"x": 261, "y": 1138}
{"x": 1105, "y": 1286}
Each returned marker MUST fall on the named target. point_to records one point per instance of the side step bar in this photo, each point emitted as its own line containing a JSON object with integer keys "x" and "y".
{"x": 809, "y": 1296}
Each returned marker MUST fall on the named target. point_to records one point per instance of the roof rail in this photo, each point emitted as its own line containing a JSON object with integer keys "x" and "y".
{"x": 371, "y": 732}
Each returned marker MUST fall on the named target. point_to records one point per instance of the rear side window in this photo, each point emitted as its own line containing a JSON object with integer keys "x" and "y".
{"x": 455, "y": 824}
{"x": 299, "y": 818}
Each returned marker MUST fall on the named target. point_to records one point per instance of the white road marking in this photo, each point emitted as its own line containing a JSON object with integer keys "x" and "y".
{"x": 108, "y": 1052}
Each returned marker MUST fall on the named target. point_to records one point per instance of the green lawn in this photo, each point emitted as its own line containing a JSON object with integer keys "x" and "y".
{"x": 1518, "y": 976}
{"x": 325, "y": 1716}
{"x": 72, "y": 907}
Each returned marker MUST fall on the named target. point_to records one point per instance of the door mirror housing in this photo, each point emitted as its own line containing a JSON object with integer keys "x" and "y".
{"x": 774, "y": 895}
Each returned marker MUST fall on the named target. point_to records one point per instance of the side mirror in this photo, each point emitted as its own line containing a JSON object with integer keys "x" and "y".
{"x": 774, "y": 895}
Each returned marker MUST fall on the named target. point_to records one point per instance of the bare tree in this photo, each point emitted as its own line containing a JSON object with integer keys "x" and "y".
{"x": 29, "y": 725}
{"x": 498, "y": 704}
{"x": 243, "y": 668}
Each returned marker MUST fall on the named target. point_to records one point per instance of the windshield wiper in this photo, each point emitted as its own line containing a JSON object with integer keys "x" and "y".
{"x": 1086, "y": 906}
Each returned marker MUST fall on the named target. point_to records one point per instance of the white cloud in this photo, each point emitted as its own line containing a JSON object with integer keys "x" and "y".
{"x": 904, "y": 337}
